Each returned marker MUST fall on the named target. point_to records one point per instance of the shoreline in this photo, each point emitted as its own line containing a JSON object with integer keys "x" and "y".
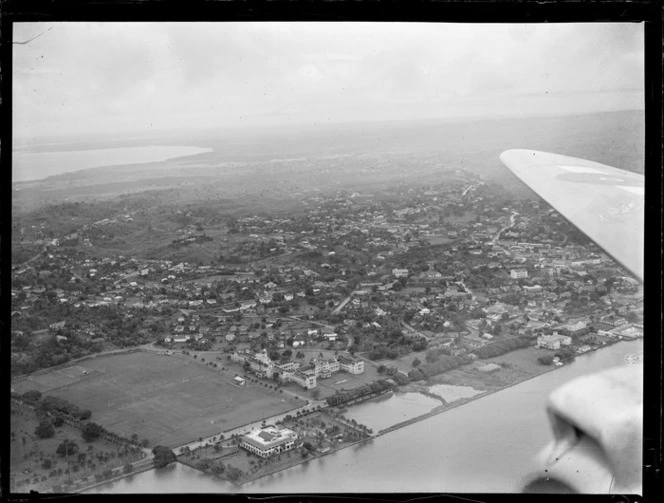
{"x": 435, "y": 411}
{"x": 445, "y": 406}
{"x": 250, "y": 479}
{"x": 456, "y": 403}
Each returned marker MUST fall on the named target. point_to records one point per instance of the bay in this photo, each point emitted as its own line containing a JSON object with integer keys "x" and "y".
{"x": 30, "y": 166}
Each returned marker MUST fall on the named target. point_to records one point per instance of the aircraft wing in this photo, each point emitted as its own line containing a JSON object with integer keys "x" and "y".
{"x": 605, "y": 203}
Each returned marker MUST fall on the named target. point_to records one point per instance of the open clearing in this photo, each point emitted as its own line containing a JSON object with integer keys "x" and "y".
{"x": 170, "y": 400}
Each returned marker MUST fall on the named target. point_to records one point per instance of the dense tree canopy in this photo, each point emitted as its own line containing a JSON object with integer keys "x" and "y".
{"x": 67, "y": 448}
{"x": 91, "y": 432}
{"x": 45, "y": 429}
{"x": 163, "y": 456}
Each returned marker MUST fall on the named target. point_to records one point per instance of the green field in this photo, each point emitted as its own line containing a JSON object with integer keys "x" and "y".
{"x": 169, "y": 400}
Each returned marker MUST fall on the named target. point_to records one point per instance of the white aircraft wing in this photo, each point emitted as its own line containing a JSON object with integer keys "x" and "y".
{"x": 604, "y": 203}
{"x": 596, "y": 419}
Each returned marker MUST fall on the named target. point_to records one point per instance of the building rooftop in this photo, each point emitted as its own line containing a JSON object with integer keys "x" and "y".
{"x": 270, "y": 437}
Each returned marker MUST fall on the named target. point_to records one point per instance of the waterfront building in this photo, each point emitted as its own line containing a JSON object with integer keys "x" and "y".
{"x": 269, "y": 441}
{"x": 627, "y": 331}
{"x": 553, "y": 341}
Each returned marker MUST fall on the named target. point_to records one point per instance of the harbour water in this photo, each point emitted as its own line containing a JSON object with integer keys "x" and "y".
{"x": 399, "y": 406}
{"x": 29, "y": 166}
{"x": 486, "y": 445}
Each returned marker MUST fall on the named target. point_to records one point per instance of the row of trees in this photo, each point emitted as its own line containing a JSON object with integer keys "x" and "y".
{"x": 55, "y": 405}
{"x": 444, "y": 363}
{"x": 345, "y": 396}
{"x": 501, "y": 347}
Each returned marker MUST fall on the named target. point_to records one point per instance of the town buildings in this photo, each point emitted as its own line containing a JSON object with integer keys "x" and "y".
{"x": 306, "y": 377}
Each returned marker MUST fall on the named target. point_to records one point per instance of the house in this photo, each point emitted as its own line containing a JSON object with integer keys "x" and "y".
{"x": 55, "y": 327}
{"x": 532, "y": 289}
{"x": 269, "y": 441}
{"x": 553, "y": 341}
{"x": 489, "y": 367}
{"x": 239, "y": 380}
{"x": 575, "y": 328}
{"x": 518, "y": 273}
{"x": 400, "y": 273}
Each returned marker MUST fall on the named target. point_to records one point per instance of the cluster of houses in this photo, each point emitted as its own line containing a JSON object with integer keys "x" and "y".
{"x": 235, "y": 299}
{"x": 305, "y": 376}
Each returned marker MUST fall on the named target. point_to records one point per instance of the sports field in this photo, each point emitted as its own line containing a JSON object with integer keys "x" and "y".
{"x": 170, "y": 400}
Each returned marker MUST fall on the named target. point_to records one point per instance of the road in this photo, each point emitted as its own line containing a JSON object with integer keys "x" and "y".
{"x": 18, "y": 266}
{"x": 495, "y": 238}
{"x": 411, "y": 329}
{"x": 242, "y": 430}
{"x": 467, "y": 189}
{"x": 343, "y": 304}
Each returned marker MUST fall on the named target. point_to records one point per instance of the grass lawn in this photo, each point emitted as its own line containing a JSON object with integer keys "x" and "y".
{"x": 169, "y": 400}
{"x": 521, "y": 364}
{"x": 34, "y": 463}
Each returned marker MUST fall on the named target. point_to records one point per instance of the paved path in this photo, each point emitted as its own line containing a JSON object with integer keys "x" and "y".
{"x": 242, "y": 430}
{"x": 495, "y": 238}
{"x": 467, "y": 189}
{"x": 343, "y": 304}
{"x": 411, "y": 329}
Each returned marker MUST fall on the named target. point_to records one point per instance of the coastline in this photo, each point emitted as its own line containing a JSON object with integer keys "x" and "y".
{"x": 437, "y": 410}
{"x": 277, "y": 469}
{"x": 456, "y": 403}
{"x": 445, "y": 406}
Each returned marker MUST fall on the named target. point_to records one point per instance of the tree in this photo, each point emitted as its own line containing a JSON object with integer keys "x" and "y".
{"x": 128, "y": 468}
{"x": 416, "y": 362}
{"x": 162, "y": 456}
{"x": 308, "y": 446}
{"x": 545, "y": 360}
{"x": 67, "y": 448}
{"x": 45, "y": 429}
{"x": 204, "y": 464}
{"x": 91, "y": 432}
{"x": 58, "y": 421}
{"x": 32, "y": 395}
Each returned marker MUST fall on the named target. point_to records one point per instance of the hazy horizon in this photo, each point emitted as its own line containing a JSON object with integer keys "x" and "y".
{"x": 121, "y": 137}
{"x": 147, "y": 78}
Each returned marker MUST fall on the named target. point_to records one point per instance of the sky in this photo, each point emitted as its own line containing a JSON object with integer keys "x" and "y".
{"x": 91, "y": 78}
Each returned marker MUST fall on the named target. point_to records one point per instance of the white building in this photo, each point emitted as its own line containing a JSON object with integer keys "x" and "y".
{"x": 553, "y": 341}
{"x": 268, "y": 441}
{"x": 350, "y": 365}
{"x": 400, "y": 273}
{"x": 307, "y": 381}
{"x": 518, "y": 273}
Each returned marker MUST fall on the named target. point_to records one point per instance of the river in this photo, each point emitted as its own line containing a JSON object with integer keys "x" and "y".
{"x": 29, "y": 166}
{"x": 486, "y": 445}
